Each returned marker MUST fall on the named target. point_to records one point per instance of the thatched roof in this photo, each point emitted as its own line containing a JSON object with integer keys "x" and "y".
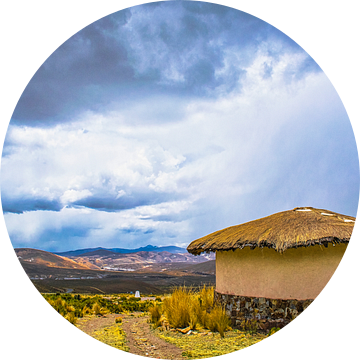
{"x": 281, "y": 231}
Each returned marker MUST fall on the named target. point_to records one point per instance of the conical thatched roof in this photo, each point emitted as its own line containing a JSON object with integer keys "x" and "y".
{"x": 280, "y": 231}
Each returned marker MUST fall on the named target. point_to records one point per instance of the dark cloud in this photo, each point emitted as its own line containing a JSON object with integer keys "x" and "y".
{"x": 207, "y": 161}
{"x": 79, "y": 74}
{"x": 136, "y": 231}
{"x": 102, "y": 202}
{"x": 200, "y": 74}
{"x": 122, "y": 56}
{"x": 22, "y": 204}
{"x": 172, "y": 218}
{"x": 111, "y": 203}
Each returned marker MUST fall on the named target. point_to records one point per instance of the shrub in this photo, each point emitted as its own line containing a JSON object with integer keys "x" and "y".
{"x": 177, "y": 307}
{"x": 217, "y": 320}
{"x": 60, "y": 303}
{"x": 249, "y": 326}
{"x": 118, "y": 320}
{"x": 69, "y": 308}
{"x": 86, "y": 310}
{"x": 207, "y": 297}
{"x": 273, "y": 331}
{"x": 96, "y": 309}
{"x": 196, "y": 313}
{"x": 185, "y": 308}
{"x": 78, "y": 313}
{"x": 71, "y": 318}
{"x": 155, "y": 311}
{"x": 60, "y": 306}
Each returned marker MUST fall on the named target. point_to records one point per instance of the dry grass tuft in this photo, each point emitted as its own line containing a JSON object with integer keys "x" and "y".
{"x": 189, "y": 310}
{"x": 71, "y": 318}
{"x": 155, "y": 311}
{"x": 218, "y": 321}
{"x": 96, "y": 309}
{"x": 86, "y": 311}
{"x": 177, "y": 307}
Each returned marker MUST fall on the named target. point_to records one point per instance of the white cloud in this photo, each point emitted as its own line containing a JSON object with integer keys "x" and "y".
{"x": 120, "y": 194}
{"x": 72, "y": 195}
{"x": 212, "y": 168}
{"x": 111, "y": 157}
{"x": 88, "y": 227}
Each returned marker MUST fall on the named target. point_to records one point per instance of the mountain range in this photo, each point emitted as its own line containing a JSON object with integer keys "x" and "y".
{"x": 148, "y": 258}
{"x": 100, "y": 270}
{"x": 150, "y": 248}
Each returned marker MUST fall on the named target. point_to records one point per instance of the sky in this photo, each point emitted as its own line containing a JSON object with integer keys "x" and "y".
{"x": 164, "y": 122}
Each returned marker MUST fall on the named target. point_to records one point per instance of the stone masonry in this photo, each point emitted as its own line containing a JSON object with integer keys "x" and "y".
{"x": 262, "y": 313}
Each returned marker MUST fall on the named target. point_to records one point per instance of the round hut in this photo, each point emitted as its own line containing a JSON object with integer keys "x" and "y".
{"x": 269, "y": 270}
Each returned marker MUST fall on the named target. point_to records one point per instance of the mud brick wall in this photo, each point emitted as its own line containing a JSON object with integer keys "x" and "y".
{"x": 260, "y": 312}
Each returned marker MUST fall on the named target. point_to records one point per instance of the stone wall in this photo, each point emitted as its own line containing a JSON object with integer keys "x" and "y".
{"x": 262, "y": 313}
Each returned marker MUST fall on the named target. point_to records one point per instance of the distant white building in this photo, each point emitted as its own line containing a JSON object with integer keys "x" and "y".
{"x": 137, "y": 294}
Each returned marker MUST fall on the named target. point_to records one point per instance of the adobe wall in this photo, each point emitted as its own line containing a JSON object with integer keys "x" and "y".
{"x": 251, "y": 313}
{"x": 298, "y": 274}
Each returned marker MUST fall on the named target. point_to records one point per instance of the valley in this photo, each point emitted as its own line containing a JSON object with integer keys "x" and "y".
{"x": 105, "y": 271}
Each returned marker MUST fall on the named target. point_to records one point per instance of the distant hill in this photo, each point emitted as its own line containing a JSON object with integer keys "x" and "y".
{"x": 99, "y": 252}
{"x": 78, "y": 252}
{"x": 109, "y": 260}
{"x": 150, "y": 248}
{"x": 105, "y": 271}
{"x": 42, "y": 262}
{"x": 47, "y": 259}
{"x": 207, "y": 267}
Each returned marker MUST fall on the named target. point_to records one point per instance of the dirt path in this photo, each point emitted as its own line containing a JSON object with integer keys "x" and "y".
{"x": 88, "y": 326}
{"x": 139, "y": 336}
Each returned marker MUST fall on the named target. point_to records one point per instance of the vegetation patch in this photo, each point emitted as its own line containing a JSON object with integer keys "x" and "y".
{"x": 113, "y": 336}
{"x": 198, "y": 325}
{"x": 200, "y": 345}
{"x": 189, "y": 310}
{"x": 73, "y": 306}
{"x": 188, "y": 319}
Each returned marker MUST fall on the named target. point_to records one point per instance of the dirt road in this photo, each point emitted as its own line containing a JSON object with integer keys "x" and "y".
{"x": 140, "y": 338}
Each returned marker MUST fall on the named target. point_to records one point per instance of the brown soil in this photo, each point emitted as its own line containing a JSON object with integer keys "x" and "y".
{"x": 89, "y": 325}
{"x": 140, "y": 337}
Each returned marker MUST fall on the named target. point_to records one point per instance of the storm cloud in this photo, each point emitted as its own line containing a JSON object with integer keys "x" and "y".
{"x": 181, "y": 48}
{"x": 167, "y": 121}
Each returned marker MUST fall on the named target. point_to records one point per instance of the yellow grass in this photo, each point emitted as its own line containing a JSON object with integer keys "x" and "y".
{"x": 217, "y": 320}
{"x": 192, "y": 310}
{"x": 155, "y": 314}
{"x": 96, "y": 309}
{"x": 71, "y": 318}
{"x": 200, "y": 345}
{"x": 113, "y": 336}
{"x": 177, "y": 307}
